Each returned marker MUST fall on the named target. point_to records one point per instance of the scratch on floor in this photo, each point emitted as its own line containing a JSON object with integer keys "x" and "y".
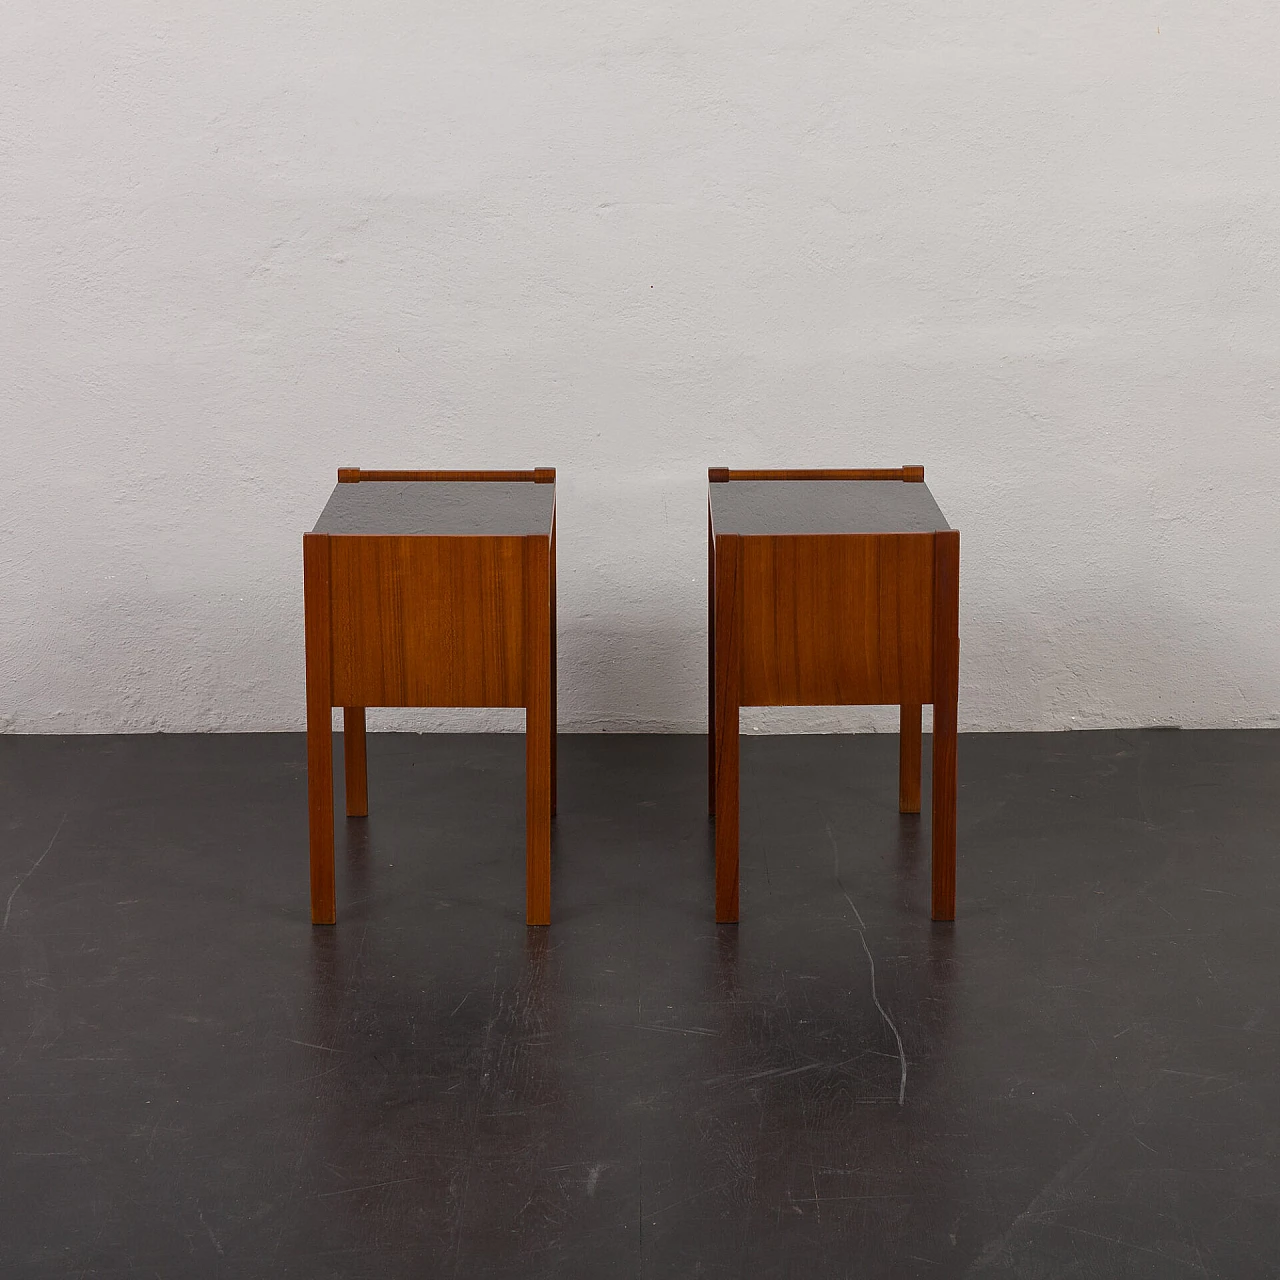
{"x": 652, "y": 1216}
{"x": 216, "y": 1243}
{"x": 306, "y": 1044}
{"x": 680, "y": 1031}
{"x": 861, "y": 932}
{"x": 8, "y": 906}
{"x": 1137, "y": 1248}
{"x": 1045, "y": 1199}
{"x": 902, "y": 1053}
{"x": 776, "y": 1072}
{"x": 46, "y": 1025}
{"x": 368, "y": 1186}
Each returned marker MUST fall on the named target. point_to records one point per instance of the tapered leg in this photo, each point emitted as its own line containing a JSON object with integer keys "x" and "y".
{"x": 946, "y": 667}
{"x": 354, "y": 764}
{"x": 315, "y": 581}
{"x": 909, "y": 751}
{"x": 728, "y": 650}
{"x": 538, "y": 729}
{"x": 711, "y": 667}
{"x": 554, "y": 720}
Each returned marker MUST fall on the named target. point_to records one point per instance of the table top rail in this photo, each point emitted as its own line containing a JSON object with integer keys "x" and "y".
{"x": 722, "y": 475}
{"x": 539, "y": 475}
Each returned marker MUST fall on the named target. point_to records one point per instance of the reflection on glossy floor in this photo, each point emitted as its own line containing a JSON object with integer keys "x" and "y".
{"x": 1081, "y": 1077}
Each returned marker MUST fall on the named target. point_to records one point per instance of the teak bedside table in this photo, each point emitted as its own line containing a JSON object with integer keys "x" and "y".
{"x": 833, "y": 588}
{"x": 431, "y": 589}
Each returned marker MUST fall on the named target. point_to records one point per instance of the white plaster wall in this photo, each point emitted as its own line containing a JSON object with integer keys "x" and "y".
{"x": 1032, "y": 246}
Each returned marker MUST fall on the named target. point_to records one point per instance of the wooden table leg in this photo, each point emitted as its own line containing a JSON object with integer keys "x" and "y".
{"x": 354, "y": 763}
{"x": 315, "y": 581}
{"x": 946, "y": 666}
{"x": 538, "y": 728}
{"x": 711, "y": 667}
{"x": 909, "y": 753}
{"x": 728, "y": 651}
{"x": 555, "y": 723}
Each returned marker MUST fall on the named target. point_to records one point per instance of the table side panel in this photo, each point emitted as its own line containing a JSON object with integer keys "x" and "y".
{"x": 428, "y": 622}
{"x": 832, "y": 620}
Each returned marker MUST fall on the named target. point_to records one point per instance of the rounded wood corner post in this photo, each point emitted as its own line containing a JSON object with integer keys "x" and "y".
{"x": 728, "y": 692}
{"x": 946, "y": 684}
{"x": 319, "y": 663}
{"x": 538, "y": 727}
{"x": 355, "y": 764}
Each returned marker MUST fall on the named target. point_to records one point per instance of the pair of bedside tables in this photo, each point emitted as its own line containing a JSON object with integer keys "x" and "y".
{"x": 438, "y": 589}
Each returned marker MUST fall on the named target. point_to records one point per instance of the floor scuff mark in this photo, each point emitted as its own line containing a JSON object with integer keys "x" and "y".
{"x": 875, "y": 997}
{"x": 8, "y": 906}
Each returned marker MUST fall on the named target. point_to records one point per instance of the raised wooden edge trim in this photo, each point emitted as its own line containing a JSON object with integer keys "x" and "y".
{"x": 719, "y": 475}
{"x": 539, "y": 475}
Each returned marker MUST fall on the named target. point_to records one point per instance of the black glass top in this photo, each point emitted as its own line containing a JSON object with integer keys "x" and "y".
{"x": 765, "y": 507}
{"x": 439, "y": 508}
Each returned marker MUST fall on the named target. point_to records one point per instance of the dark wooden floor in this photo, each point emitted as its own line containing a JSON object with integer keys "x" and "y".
{"x": 1080, "y": 1078}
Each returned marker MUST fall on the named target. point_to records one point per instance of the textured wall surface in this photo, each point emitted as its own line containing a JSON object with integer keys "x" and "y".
{"x": 1032, "y": 246}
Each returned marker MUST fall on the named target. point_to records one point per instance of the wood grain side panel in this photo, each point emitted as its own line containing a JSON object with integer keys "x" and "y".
{"x": 428, "y": 622}
{"x": 837, "y": 620}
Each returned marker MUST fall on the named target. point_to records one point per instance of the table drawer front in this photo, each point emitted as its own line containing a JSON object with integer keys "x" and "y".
{"x": 427, "y": 622}
{"x": 836, "y": 620}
